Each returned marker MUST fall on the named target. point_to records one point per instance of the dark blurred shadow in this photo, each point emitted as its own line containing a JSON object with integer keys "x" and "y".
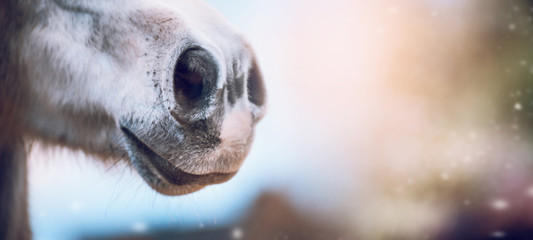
{"x": 472, "y": 223}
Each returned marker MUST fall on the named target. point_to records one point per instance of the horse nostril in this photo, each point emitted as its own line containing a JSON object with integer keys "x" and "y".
{"x": 256, "y": 87}
{"x": 195, "y": 77}
{"x": 188, "y": 80}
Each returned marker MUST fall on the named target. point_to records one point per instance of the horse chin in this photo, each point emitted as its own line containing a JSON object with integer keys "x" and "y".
{"x": 161, "y": 175}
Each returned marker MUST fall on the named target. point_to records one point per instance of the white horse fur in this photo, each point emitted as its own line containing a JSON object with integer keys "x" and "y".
{"x": 167, "y": 86}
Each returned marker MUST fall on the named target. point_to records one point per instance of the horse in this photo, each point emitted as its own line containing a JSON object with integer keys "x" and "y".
{"x": 170, "y": 87}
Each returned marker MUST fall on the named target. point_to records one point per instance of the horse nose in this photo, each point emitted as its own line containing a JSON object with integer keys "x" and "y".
{"x": 195, "y": 80}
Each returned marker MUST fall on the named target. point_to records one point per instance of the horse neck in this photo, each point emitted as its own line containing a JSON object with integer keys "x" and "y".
{"x": 14, "y": 222}
{"x": 12, "y": 18}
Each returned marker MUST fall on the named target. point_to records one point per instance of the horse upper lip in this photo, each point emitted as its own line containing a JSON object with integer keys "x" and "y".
{"x": 169, "y": 171}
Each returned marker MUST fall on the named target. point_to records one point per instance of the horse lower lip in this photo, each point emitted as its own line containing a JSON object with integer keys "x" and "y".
{"x": 167, "y": 170}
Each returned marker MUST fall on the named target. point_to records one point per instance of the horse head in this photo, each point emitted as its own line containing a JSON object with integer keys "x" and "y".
{"x": 171, "y": 87}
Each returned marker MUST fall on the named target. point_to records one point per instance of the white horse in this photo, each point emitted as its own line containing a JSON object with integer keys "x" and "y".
{"x": 168, "y": 86}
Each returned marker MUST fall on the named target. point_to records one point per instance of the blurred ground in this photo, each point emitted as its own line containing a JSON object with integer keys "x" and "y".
{"x": 271, "y": 217}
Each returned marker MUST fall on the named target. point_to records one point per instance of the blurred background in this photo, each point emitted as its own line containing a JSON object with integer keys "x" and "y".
{"x": 388, "y": 119}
